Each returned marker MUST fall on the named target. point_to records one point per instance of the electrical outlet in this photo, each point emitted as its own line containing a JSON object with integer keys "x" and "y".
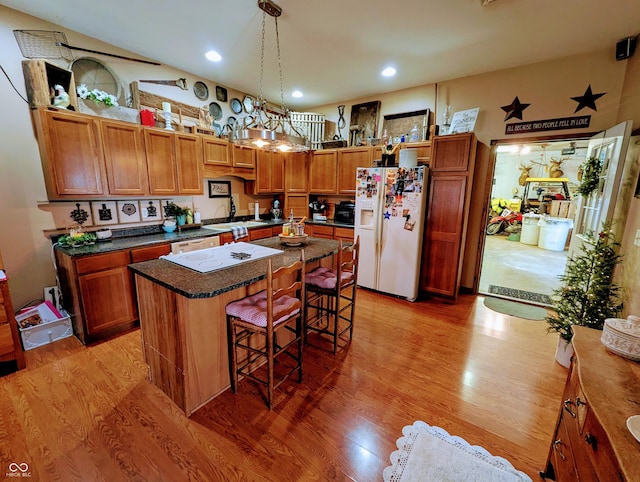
{"x": 52, "y": 294}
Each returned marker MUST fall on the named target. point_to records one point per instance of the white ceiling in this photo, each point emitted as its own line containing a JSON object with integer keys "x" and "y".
{"x": 334, "y": 50}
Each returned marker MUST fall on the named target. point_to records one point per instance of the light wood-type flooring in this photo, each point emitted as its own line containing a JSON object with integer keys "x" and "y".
{"x": 89, "y": 413}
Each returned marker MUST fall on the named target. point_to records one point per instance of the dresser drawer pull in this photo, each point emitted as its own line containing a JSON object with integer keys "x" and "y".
{"x": 591, "y": 440}
{"x": 580, "y": 402}
{"x": 556, "y": 447}
{"x": 566, "y": 404}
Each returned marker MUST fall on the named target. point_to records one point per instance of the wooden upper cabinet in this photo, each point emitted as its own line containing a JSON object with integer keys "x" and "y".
{"x": 453, "y": 152}
{"x": 323, "y": 177}
{"x": 348, "y": 162}
{"x": 216, "y": 152}
{"x": 244, "y": 156}
{"x": 125, "y": 158}
{"x": 189, "y": 155}
{"x": 295, "y": 172}
{"x": 71, "y": 154}
{"x": 269, "y": 172}
{"x": 161, "y": 162}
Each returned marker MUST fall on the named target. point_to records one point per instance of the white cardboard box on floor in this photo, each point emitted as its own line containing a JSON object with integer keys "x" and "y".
{"x": 44, "y": 333}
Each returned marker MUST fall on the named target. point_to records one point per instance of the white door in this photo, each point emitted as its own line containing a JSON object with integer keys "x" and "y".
{"x": 610, "y": 147}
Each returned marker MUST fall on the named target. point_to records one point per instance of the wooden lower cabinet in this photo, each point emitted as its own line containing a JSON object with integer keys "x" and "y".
{"x": 591, "y": 441}
{"x": 321, "y": 231}
{"x": 10, "y": 346}
{"x": 260, "y": 233}
{"x": 99, "y": 291}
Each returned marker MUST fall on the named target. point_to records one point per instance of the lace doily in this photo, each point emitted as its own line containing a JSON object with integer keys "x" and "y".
{"x": 430, "y": 453}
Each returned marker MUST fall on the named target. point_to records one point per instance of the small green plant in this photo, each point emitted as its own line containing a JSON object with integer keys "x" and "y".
{"x": 589, "y": 295}
{"x": 98, "y": 96}
{"x": 172, "y": 209}
{"x": 67, "y": 240}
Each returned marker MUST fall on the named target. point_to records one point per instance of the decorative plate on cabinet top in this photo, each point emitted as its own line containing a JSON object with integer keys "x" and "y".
{"x": 201, "y": 90}
{"x": 248, "y": 104}
{"x": 236, "y": 105}
{"x": 633, "y": 424}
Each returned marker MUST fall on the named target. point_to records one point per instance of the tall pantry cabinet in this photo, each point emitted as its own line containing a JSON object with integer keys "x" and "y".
{"x": 451, "y": 175}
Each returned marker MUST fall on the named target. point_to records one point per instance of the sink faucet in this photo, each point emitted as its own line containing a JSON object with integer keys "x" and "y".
{"x": 232, "y": 209}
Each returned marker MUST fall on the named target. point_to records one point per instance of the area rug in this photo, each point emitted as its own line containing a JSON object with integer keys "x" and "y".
{"x": 513, "y": 308}
{"x": 427, "y": 453}
{"x": 520, "y": 294}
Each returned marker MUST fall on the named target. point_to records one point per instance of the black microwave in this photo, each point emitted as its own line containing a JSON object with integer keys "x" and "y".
{"x": 345, "y": 213}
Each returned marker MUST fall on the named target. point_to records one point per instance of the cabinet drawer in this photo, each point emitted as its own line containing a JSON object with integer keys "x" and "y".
{"x": 343, "y": 233}
{"x": 151, "y": 252}
{"x": 323, "y": 231}
{"x": 596, "y": 443}
{"x": 260, "y": 233}
{"x": 101, "y": 262}
{"x": 6, "y": 341}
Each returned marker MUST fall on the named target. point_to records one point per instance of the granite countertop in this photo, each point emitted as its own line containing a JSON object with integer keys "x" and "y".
{"x": 192, "y": 284}
{"x": 152, "y": 238}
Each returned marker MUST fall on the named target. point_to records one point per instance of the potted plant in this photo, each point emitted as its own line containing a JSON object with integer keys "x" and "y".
{"x": 178, "y": 212}
{"x": 589, "y": 294}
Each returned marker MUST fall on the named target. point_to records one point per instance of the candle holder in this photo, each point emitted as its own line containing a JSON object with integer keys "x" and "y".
{"x": 167, "y": 120}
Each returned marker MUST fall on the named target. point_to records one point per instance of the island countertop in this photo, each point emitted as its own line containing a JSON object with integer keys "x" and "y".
{"x": 193, "y": 284}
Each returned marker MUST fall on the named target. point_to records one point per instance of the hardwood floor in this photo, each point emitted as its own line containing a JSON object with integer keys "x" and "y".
{"x": 89, "y": 413}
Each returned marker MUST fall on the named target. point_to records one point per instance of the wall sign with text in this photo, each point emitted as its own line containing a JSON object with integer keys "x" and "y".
{"x": 548, "y": 125}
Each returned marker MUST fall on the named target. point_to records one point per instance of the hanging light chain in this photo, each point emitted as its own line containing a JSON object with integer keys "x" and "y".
{"x": 280, "y": 66}
{"x": 264, "y": 21}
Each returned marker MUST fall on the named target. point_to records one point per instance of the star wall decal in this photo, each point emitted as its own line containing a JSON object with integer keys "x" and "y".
{"x": 514, "y": 109}
{"x": 588, "y": 99}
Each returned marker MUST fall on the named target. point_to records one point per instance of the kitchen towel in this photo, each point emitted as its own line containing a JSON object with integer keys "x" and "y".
{"x": 239, "y": 232}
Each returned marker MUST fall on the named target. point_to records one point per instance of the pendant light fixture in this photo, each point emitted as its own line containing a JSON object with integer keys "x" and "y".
{"x": 272, "y": 128}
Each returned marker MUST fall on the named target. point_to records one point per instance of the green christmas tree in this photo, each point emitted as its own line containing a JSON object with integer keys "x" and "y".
{"x": 589, "y": 295}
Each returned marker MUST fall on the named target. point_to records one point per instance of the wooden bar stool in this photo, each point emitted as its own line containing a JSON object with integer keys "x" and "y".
{"x": 331, "y": 296}
{"x": 252, "y": 324}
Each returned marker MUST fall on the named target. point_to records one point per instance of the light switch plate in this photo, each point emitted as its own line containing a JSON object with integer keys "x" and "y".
{"x": 636, "y": 241}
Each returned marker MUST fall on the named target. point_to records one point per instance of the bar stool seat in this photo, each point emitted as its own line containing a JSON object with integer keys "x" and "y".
{"x": 331, "y": 296}
{"x": 254, "y": 321}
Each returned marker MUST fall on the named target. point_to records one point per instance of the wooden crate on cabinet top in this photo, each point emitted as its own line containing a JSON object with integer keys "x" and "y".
{"x": 40, "y": 76}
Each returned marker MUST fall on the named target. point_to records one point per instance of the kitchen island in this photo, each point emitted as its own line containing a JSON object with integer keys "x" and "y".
{"x": 183, "y": 321}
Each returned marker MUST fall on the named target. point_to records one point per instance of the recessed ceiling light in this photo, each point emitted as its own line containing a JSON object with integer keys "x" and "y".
{"x": 213, "y": 56}
{"x": 389, "y": 72}
{"x": 297, "y": 93}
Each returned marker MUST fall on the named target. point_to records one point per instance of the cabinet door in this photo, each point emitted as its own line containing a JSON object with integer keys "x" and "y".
{"x": 298, "y": 203}
{"x": 161, "y": 162}
{"x": 348, "y": 162}
{"x": 125, "y": 158}
{"x": 277, "y": 172}
{"x": 216, "y": 152}
{"x": 443, "y": 235}
{"x": 295, "y": 173}
{"x": 244, "y": 156}
{"x": 452, "y": 153}
{"x": 320, "y": 231}
{"x": 71, "y": 154}
{"x": 189, "y": 158}
{"x": 264, "y": 170}
{"x": 323, "y": 178}
{"x": 346, "y": 234}
{"x": 563, "y": 463}
{"x": 107, "y": 299}
{"x": 259, "y": 233}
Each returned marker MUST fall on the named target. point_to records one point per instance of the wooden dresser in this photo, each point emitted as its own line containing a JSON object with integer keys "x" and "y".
{"x": 591, "y": 441}
{"x": 10, "y": 346}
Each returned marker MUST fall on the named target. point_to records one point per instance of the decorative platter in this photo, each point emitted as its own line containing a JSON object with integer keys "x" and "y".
{"x": 221, "y": 94}
{"x": 201, "y": 90}
{"x": 633, "y": 424}
{"x": 248, "y": 104}
{"x": 215, "y": 110}
{"x": 296, "y": 240}
{"x": 236, "y": 105}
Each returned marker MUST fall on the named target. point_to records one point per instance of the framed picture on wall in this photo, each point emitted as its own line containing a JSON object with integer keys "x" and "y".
{"x": 364, "y": 122}
{"x": 219, "y": 188}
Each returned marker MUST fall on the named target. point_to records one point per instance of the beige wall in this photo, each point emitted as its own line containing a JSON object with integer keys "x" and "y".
{"x": 25, "y": 214}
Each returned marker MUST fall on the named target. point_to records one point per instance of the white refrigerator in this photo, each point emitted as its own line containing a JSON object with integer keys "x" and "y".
{"x": 389, "y": 218}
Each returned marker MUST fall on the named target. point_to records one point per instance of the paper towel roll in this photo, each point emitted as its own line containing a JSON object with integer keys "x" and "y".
{"x": 408, "y": 158}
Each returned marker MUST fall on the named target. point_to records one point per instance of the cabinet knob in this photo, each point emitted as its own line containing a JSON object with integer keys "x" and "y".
{"x": 591, "y": 440}
{"x": 566, "y": 404}
{"x": 580, "y": 402}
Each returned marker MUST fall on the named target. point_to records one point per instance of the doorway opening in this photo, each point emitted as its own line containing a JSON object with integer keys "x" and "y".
{"x": 536, "y": 181}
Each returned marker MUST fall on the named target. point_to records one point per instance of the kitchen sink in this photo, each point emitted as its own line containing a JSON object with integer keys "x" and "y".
{"x": 227, "y": 226}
